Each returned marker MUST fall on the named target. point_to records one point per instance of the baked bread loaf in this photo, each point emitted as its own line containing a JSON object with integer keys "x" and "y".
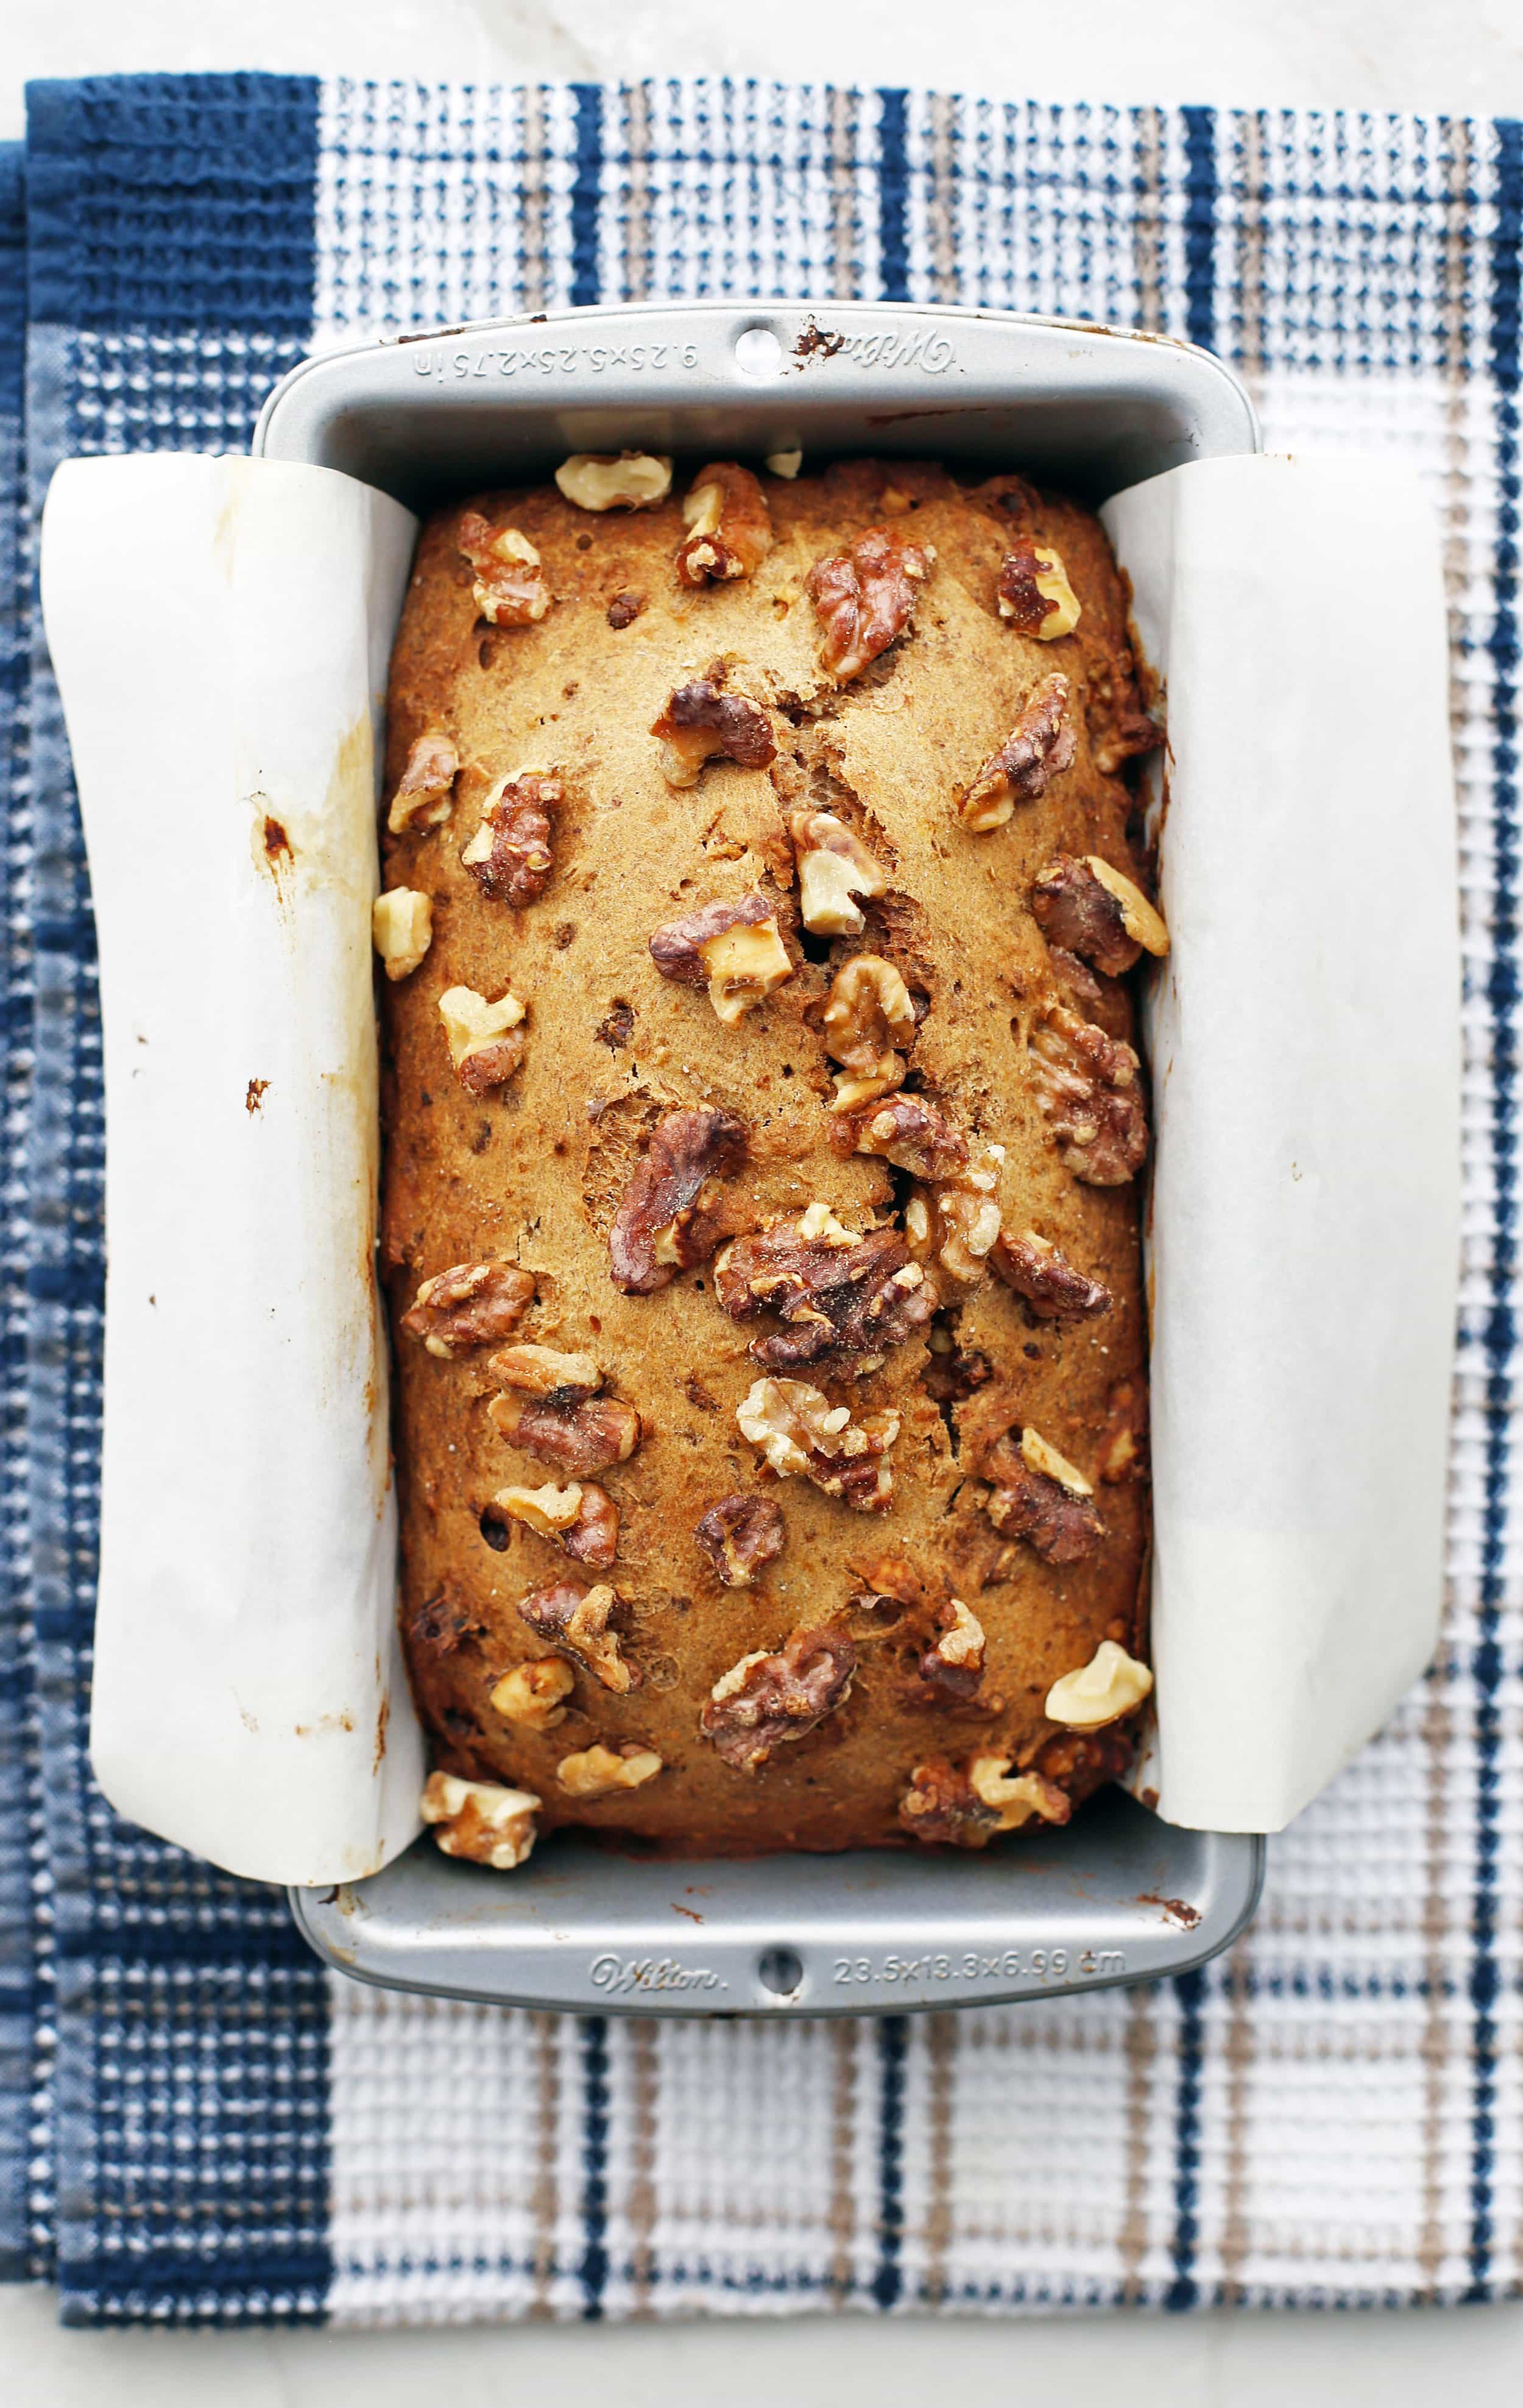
{"x": 762, "y": 872}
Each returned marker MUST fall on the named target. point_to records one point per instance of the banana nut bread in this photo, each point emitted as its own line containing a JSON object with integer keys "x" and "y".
{"x": 761, "y": 1218}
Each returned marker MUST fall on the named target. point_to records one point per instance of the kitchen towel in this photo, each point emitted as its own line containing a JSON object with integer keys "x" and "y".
{"x": 197, "y": 2125}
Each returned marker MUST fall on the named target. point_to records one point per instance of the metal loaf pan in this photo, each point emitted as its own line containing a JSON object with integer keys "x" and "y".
{"x": 1118, "y": 1896}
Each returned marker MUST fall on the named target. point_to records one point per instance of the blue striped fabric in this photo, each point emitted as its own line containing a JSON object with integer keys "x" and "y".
{"x": 195, "y": 2125}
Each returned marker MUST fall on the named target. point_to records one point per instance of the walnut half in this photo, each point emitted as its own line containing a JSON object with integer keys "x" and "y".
{"x": 729, "y": 522}
{"x": 1039, "y": 748}
{"x": 1111, "y": 1684}
{"x": 566, "y": 1424}
{"x": 509, "y": 855}
{"x": 1091, "y": 910}
{"x": 838, "y": 1300}
{"x": 508, "y": 588}
{"x": 734, "y": 948}
{"x": 800, "y": 1432}
{"x": 586, "y": 1624}
{"x": 485, "y": 1039}
{"x": 865, "y": 596}
{"x": 834, "y": 867}
{"x": 954, "y": 1662}
{"x": 599, "y": 1771}
{"x": 1037, "y": 1495}
{"x": 867, "y": 1014}
{"x": 1087, "y": 1086}
{"x": 481, "y": 1820}
{"x": 470, "y": 1305}
{"x": 615, "y": 480}
{"x": 582, "y": 1519}
{"x": 401, "y": 929}
{"x": 1053, "y": 1287}
{"x": 741, "y": 1535}
{"x": 767, "y": 1699}
{"x": 700, "y": 719}
{"x": 1033, "y": 594}
{"x": 424, "y": 796}
{"x": 667, "y": 1222}
{"x": 907, "y": 1131}
{"x": 968, "y": 1806}
{"x": 532, "y": 1697}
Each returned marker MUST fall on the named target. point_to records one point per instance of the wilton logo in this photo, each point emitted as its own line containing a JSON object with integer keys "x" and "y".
{"x": 618, "y": 1975}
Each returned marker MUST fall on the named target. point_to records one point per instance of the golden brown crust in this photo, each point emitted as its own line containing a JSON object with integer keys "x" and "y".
{"x": 533, "y": 1173}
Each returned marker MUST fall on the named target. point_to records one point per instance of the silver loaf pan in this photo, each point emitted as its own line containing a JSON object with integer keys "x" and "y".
{"x": 1117, "y": 1896}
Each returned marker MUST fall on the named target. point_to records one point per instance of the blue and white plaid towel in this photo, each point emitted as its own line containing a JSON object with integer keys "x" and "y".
{"x": 196, "y": 2122}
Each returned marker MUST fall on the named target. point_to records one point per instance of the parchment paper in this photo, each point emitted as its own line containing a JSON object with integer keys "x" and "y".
{"x": 1304, "y": 1042}
{"x": 250, "y": 1700}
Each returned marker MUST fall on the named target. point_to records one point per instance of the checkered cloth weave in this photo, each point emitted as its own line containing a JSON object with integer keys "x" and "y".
{"x": 195, "y": 2122}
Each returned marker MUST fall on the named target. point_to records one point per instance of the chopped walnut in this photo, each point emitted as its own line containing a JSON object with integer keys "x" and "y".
{"x": 838, "y": 1300}
{"x": 953, "y": 1373}
{"x": 1086, "y": 1084}
{"x": 799, "y": 1431}
{"x": 1119, "y": 728}
{"x": 966, "y": 1807}
{"x": 733, "y": 948}
{"x": 1089, "y": 909}
{"x": 581, "y": 1518}
{"x": 481, "y": 1820}
{"x": 960, "y": 1224}
{"x": 954, "y": 1663}
{"x": 700, "y": 719}
{"x": 1039, "y": 1456}
{"x": 904, "y": 1130}
{"x": 509, "y": 855}
{"x": 470, "y": 1305}
{"x": 1124, "y": 1440}
{"x": 1111, "y": 1684}
{"x": 765, "y": 1700}
{"x": 424, "y": 796}
{"x": 532, "y": 1697}
{"x": 625, "y": 608}
{"x": 667, "y": 1222}
{"x": 402, "y": 929}
{"x": 1037, "y": 1496}
{"x": 1016, "y": 1796}
{"x": 615, "y": 480}
{"x": 741, "y": 1536}
{"x": 939, "y": 1807}
{"x": 586, "y": 1624}
{"x": 865, "y": 596}
{"x": 729, "y": 526}
{"x": 1081, "y": 1762}
{"x": 834, "y": 867}
{"x": 578, "y": 1437}
{"x": 1033, "y": 593}
{"x": 486, "y": 1044}
{"x": 545, "y": 1371}
{"x": 509, "y": 590}
{"x": 598, "y": 1772}
{"x": 1053, "y": 1287}
{"x": 1039, "y": 748}
{"x": 868, "y": 1013}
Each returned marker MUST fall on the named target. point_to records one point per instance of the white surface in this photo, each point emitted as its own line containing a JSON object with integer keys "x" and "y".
{"x": 1301, "y": 1342}
{"x": 1360, "y": 53}
{"x": 1219, "y": 2361}
{"x": 250, "y": 1701}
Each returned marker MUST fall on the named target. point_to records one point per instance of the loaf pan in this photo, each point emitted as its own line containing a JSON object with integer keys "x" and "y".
{"x": 1118, "y": 1896}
